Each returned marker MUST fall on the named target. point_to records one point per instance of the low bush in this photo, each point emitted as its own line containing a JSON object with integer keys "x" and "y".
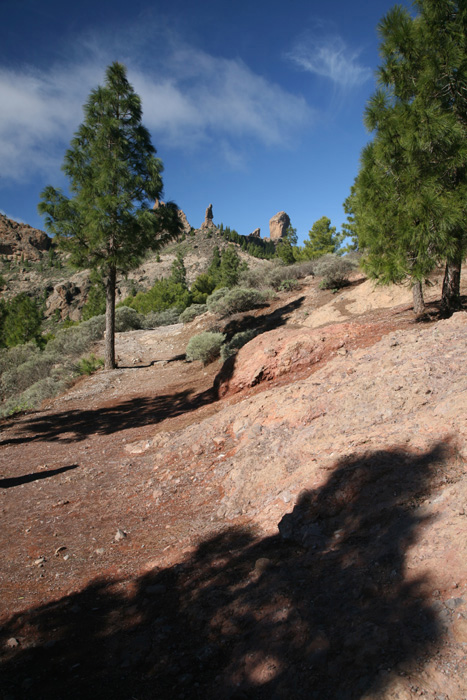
{"x": 214, "y": 298}
{"x": 235, "y": 300}
{"x": 74, "y": 341}
{"x": 164, "y": 294}
{"x": 33, "y": 396}
{"x": 288, "y": 285}
{"x": 127, "y": 319}
{"x": 89, "y": 365}
{"x": 274, "y": 277}
{"x": 29, "y": 375}
{"x": 161, "y": 318}
{"x": 11, "y": 358}
{"x": 334, "y": 270}
{"x": 18, "y": 379}
{"x": 192, "y": 312}
{"x": 237, "y": 342}
{"x": 205, "y": 347}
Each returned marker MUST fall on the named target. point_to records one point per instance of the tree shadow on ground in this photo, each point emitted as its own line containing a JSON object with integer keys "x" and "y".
{"x": 76, "y": 425}
{"x": 435, "y": 311}
{"x": 322, "y": 610}
{"x": 36, "y": 476}
{"x": 261, "y": 323}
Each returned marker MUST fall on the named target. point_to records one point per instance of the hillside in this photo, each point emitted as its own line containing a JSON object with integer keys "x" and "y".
{"x": 289, "y": 526}
{"x": 30, "y": 263}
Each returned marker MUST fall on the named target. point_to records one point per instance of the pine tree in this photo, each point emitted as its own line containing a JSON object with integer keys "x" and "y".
{"x": 215, "y": 264}
{"x": 349, "y": 227}
{"x": 410, "y": 199}
{"x": 229, "y": 268}
{"x": 106, "y": 224}
{"x": 178, "y": 274}
{"x": 285, "y": 245}
{"x": 322, "y": 239}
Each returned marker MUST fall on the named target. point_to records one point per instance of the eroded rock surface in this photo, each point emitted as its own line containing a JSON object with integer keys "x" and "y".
{"x": 301, "y": 537}
{"x": 17, "y": 239}
{"x": 278, "y": 226}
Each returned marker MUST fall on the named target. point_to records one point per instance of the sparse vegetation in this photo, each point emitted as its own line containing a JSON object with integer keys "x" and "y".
{"x": 334, "y": 270}
{"x": 127, "y": 319}
{"x": 192, "y": 312}
{"x": 20, "y": 321}
{"x": 89, "y": 365}
{"x": 232, "y": 301}
{"x": 162, "y": 318}
{"x": 205, "y": 346}
{"x": 164, "y": 294}
{"x": 237, "y": 342}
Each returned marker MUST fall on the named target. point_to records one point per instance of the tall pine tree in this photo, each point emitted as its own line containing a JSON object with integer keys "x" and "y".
{"x": 107, "y": 224}
{"x": 410, "y": 194}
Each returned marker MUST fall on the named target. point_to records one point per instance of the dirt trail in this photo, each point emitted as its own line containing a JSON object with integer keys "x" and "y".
{"x": 140, "y": 542}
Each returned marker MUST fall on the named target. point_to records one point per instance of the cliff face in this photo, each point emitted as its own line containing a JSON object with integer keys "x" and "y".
{"x": 18, "y": 240}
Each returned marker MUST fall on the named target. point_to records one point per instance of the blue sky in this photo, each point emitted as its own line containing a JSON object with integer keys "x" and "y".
{"x": 254, "y": 106}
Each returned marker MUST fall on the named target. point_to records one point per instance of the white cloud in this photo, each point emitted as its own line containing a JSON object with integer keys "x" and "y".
{"x": 13, "y": 218}
{"x": 39, "y": 114}
{"x": 329, "y": 57}
{"x": 191, "y": 100}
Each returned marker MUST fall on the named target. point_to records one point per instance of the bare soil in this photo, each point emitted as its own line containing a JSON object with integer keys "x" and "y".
{"x": 141, "y": 561}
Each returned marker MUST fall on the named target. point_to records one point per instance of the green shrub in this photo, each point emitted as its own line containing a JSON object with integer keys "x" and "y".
{"x": 161, "y": 318}
{"x": 192, "y": 312}
{"x": 288, "y": 285}
{"x": 202, "y": 287}
{"x": 214, "y": 298}
{"x": 235, "y": 300}
{"x": 334, "y": 270}
{"x": 95, "y": 303}
{"x": 127, "y": 319}
{"x": 11, "y": 358}
{"x": 273, "y": 277}
{"x": 33, "y": 396}
{"x": 20, "y": 321}
{"x": 89, "y": 365}
{"x": 20, "y": 378}
{"x": 237, "y": 342}
{"x": 164, "y": 294}
{"x": 74, "y": 341}
{"x": 205, "y": 347}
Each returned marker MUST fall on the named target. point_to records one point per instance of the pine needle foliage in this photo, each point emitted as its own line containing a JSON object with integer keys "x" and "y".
{"x": 106, "y": 224}
{"x": 409, "y": 203}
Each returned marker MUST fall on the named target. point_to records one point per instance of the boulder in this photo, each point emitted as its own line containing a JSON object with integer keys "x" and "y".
{"x": 256, "y": 233}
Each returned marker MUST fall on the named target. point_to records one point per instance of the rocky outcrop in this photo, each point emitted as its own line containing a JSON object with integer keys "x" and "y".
{"x": 278, "y": 226}
{"x": 208, "y": 219}
{"x": 67, "y": 298}
{"x": 18, "y": 240}
{"x": 186, "y": 228}
{"x": 184, "y": 221}
{"x": 256, "y": 233}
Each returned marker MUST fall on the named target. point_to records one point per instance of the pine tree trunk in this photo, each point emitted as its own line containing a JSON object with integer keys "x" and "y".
{"x": 110, "y": 320}
{"x": 418, "y": 301}
{"x": 450, "y": 299}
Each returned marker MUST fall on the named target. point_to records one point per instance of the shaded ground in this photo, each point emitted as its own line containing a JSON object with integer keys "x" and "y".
{"x": 122, "y": 579}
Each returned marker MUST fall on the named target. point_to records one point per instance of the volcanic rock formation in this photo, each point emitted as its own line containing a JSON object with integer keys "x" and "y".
{"x": 18, "y": 239}
{"x": 278, "y": 226}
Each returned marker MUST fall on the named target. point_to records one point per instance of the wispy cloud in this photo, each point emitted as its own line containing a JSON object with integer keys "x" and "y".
{"x": 329, "y": 57}
{"x": 191, "y": 100}
{"x": 13, "y": 218}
